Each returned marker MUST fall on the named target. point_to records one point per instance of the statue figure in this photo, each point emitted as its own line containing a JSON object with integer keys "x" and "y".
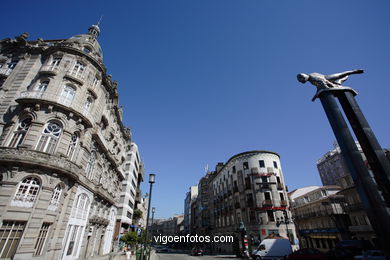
{"x": 327, "y": 82}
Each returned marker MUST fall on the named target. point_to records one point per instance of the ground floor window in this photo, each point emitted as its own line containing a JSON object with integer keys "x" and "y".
{"x": 10, "y": 234}
{"x": 42, "y": 237}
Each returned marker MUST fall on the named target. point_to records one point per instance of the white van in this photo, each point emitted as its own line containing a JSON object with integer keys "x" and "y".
{"x": 273, "y": 248}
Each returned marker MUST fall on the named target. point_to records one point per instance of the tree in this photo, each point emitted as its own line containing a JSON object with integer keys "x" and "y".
{"x": 130, "y": 238}
{"x": 137, "y": 214}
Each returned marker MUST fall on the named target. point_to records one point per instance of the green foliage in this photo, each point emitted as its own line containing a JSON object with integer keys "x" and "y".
{"x": 130, "y": 238}
{"x": 137, "y": 214}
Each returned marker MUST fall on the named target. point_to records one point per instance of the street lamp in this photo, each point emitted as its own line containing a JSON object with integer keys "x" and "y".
{"x": 151, "y": 181}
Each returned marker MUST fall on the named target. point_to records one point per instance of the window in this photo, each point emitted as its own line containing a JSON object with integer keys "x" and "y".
{"x": 73, "y": 230}
{"x": 10, "y": 234}
{"x": 41, "y": 88}
{"x": 245, "y": 166}
{"x": 42, "y": 237}
{"x": 55, "y": 61}
{"x": 95, "y": 81}
{"x": 49, "y": 137}
{"x": 81, "y": 208}
{"x": 275, "y": 165}
{"x": 131, "y": 204}
{"x": 278, "y": 179}
{"x": 26, "y": 193}
{"x": 87, "y": 105}
{"x": 72, "y": 146}
{"x": 78, "y": 69}
{"x": 55, "y": 198}
{"x": 234, "y": 169}
{"x": 281, "y": 196}
{"x": 90, "y": 165}
{"x": 270, "y": 215}
{"x": 262, "y": 164}
{"x": 267, "y": 195}
{"x": 20, "y": 132}
{"x": 67, "y": 95}
{"x": 129, "y": 215}
{"x": 87, "y": 50}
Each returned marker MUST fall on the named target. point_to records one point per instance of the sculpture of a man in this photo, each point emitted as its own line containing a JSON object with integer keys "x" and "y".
{"x": 327, "y": 82}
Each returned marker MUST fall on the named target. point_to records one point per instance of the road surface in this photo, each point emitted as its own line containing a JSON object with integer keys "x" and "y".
{"x": 165, "y": 256}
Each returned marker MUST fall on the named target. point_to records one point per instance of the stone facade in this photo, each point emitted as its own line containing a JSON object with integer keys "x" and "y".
{"x": 62, "y": 148}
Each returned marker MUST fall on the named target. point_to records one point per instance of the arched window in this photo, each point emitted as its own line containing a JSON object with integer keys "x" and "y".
{"x": 41, "y": 88}
{"x": 20, "y": 132}
{"x": 82, "y": 206}
{"x": 87, "y": 105}
{"x": 90, "y": 165}
{"x": 49, "y": 138}
{"x": 55, "y": 198}
{"x": 26, "y": 193}
{"x": 78, "y": 69}
{"x": 72, "y": 145}
{"x": 67, "y": 95}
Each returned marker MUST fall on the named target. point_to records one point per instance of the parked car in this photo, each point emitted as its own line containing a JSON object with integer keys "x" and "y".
{"x": 371, "y": 255}
{"x": 307, "y": 254}
{"x": 196, "y": 251}
{"x": 273, "y": 248}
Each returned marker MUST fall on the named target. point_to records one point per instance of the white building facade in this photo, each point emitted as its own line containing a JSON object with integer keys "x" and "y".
{"x": 250, "y": 188}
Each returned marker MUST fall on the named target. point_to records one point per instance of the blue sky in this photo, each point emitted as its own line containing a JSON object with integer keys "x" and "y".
{"x": 203, "y": 80}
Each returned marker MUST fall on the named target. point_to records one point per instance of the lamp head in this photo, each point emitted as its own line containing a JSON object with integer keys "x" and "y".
{"x": 152, "y": 178}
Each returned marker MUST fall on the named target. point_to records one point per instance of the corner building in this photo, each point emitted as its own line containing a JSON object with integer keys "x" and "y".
{"x": 62, "y": 149}
{"x": 250, "y": 188}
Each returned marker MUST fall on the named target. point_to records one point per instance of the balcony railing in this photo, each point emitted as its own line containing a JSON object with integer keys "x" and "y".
{"x": 51, "y": 69}
{"x": 279, "y": 186}
{"x": 55, "y": 98}
{"x": 267, "y": 203}
{"x": 283, "y": 203}
{"x": 76, "y": 75}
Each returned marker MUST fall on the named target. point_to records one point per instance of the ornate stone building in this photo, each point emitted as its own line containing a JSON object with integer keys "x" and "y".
{"x": 62, "y": 149}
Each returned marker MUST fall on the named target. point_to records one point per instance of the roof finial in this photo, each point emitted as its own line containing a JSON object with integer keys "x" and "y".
{"x": 101, "y": 18}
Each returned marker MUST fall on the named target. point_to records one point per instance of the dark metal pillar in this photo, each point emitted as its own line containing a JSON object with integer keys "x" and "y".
{"x": 366, "y": 187}
{"x": 374, "y": 153}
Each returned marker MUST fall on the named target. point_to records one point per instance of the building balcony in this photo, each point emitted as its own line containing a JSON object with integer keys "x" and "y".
{"x": 354, "y": 207}
{"x": 267, "y": 203}
{"x": 279, "y": 186}
{"x": 76, "y": 76}
{"x": 40, "y": 159}
{"x": 283, "y": 203}
{"x": 49, "y": 69}
{"x": 52, "y": 98}
{"x": 265, "y": 185}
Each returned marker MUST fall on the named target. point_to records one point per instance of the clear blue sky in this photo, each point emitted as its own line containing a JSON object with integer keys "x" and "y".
{"x": 202, "y": 80}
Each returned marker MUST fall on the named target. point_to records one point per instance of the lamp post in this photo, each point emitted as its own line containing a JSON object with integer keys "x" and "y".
{"x": 151, "y": 181}
{"x": 151, "y": 225}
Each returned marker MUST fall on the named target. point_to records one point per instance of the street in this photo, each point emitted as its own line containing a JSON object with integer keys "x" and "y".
{"x": 189, "y": 257}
